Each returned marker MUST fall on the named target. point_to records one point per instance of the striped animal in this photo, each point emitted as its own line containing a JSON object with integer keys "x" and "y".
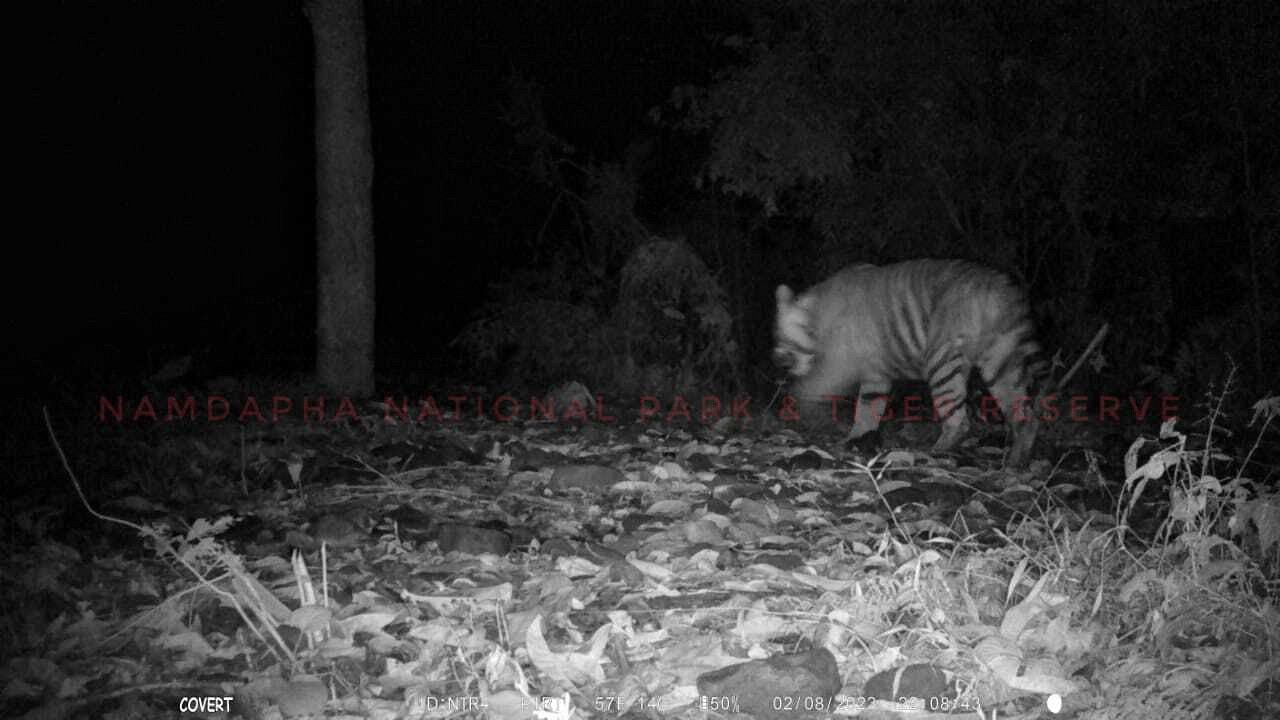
{"x": 931, "y": 320}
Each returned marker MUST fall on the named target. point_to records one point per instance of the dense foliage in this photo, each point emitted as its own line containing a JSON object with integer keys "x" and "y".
{"x": 1119, "y": 159}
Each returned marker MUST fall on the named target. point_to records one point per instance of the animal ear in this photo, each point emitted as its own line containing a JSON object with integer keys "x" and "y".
{"x": 784, "y": 294}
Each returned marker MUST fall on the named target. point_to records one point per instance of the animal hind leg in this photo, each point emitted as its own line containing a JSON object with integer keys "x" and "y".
{"x": 948, "y": 384}
{"x": 1009, "y": 388}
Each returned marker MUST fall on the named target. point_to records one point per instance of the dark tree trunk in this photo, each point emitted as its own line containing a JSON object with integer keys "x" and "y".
{"x": 344, "y": 199}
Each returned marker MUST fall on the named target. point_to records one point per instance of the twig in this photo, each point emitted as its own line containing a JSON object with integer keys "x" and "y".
{"x": 162, "y": 545}
{"x": 1093, "y": 345}
{"x": 76, "y": 483}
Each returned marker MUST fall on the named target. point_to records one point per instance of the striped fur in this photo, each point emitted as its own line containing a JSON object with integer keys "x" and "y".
{"x": 931, "y": 320}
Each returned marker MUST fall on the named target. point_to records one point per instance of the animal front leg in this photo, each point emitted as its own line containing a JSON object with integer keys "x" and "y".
{"x": 870, "y": 408}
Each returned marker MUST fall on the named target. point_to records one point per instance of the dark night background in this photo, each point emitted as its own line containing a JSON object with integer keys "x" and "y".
{"x": 609, "y": 192}
{"x": 1120, "y": 160}
{"x": 188, "y": 158}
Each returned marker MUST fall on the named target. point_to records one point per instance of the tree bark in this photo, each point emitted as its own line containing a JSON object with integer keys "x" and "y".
{"x": 344, "y": 199}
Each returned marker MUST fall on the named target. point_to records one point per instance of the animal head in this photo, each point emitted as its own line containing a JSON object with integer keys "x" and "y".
{"x": 793, "y": 332}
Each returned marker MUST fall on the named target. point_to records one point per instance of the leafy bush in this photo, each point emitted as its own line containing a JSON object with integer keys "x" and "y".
{"x": 673, "y": 318}
{"x": 532, "y": 334}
